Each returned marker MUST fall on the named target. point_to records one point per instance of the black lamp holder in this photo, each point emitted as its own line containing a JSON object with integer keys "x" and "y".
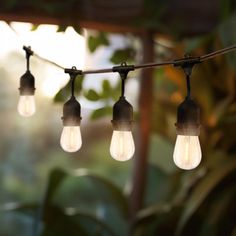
{"x": 72, "y": 109}
{"x": 123, "y": 70}
{"x": 187, "y": 64}
{"x": 122, "y": 109}
{"x": 188, "y": 113}
{"x": 28, "y": 53}
{"x": 27, "y": 81}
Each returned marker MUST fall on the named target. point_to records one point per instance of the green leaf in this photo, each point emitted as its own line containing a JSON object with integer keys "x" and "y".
{"x": 64, "y": 93}
{"x": 78, "y": 29}
{"x": 156, "y": 176}
{"x": 122, "y": 55}
{"x": 107, "y": 190}
{"x": 34, "y": 27}
{"x": 25, "y": 208}
{"x": 103, "y": 38}
{"x": 157, "y": 219}
{"x": 153, "y": 210}
{"x": 106, "y": 86}
{"x": 55, "y": 179}
{"x": 79, "y": 84}
{"x": 110, "y": 93}
{"x": 95, "y": 41}
{"x": 101, "y": 112}
{"x": 94, "y": 195}
{"x": 93, "y": 224}
{"x": 56, "y": 222}
{"x": 92, "y": 95}
{"x": 106, "y": 89}
{"x": 61, "y": 28}
{"x": 217, "y": 211}
{"x": 202, "y": 190}
{"x": 225, "y": 8}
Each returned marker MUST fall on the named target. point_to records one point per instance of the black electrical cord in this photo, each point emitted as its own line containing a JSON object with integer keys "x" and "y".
{"x": 178, "y": 63}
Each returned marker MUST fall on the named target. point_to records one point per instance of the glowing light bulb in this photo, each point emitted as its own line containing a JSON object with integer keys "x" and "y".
{"x": 187, "y": 152}
{"x": 122, "y": 145}
{"x": 26, "y": 105}
{"x": 71, "y": 138}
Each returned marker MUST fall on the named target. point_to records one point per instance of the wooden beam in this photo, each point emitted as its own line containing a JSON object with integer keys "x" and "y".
{"x": 36, "y": 19}
{"x": 144, "y": 130}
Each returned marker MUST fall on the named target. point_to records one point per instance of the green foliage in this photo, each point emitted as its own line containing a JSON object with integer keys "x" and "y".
{"x": 34, "y": 27}
{"x": 226, "y": 8}
{"x": 123, "y": 55}
{"x": 104, "y": 192}
{"x": 59, "y": 220}
{"x": 203, "y": 189}
{"x": 61, "y": 28}
{"x": 92, "y": 95}
{"x": 101, "y": 112}
{"x": 78, "y": 29}
{"x": 64, "y": 93}
{"x": 95, "y": 41}
{"x": 107, "y": 95}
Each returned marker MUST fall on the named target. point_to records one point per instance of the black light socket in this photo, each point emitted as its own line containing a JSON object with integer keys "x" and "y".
{"x": 71, "y": 113}
{"x": 27, "y": 84}
{"x": 122, "y": 115}
{"x": 188, "y": 118}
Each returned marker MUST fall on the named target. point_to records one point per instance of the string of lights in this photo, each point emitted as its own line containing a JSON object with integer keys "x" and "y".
{"x": 187, "y": 152}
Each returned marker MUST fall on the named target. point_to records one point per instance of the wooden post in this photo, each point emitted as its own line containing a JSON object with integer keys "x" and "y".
{"x": 144, "y": 129}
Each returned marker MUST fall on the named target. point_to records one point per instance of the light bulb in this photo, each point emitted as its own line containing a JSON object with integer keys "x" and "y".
{"x": 187, "y": 152}
{"x": 122, "y": 145}
{"x": 26, "y": 105}
{"x": 71, "y": 138}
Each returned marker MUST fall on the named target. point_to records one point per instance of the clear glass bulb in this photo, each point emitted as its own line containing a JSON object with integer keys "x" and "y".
{"x": 187, "y": 152}
{"x": 26, "y": 105}
{"x": 71, "y": 140}
{"x": 122, "y": 145}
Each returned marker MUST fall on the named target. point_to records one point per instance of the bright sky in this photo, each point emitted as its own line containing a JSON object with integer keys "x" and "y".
{"x": 66, "y": 49}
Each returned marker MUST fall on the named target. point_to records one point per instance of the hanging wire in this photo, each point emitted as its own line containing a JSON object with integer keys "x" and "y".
{"x": 48, "y": 61}
{"x": 122, "y": 87}
{"x": 177, "y": 62}
{"x": 35, "y": 54}
{"x": 72, "y": 77}
{"x": 217, "y": 53}
{"x": 28, "y": 53}
{"x": 27, "y": 61}
{"x": 188, "y": 86}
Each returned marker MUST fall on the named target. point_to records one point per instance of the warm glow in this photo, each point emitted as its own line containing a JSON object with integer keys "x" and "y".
{"x": 26, "y": 106}
{"x": 122, "y": 145}
{"x": 71, "y": 140}
{"x": 187, "y": 152}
